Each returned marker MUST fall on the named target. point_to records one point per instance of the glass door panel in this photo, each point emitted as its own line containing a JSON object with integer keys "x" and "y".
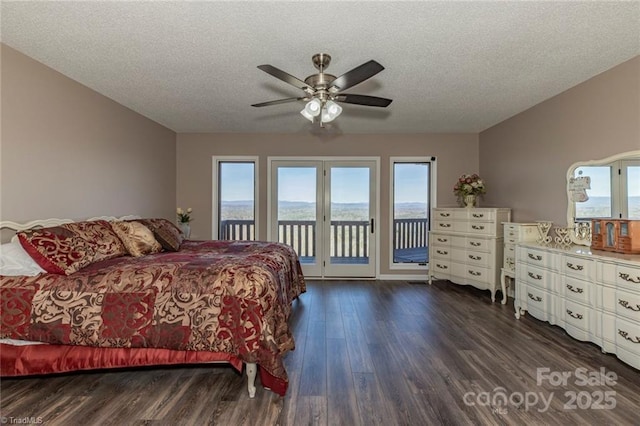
{"x": 236, "y": 203}
{"x": 298, "y": 210}
{"x": 349, "y": 240}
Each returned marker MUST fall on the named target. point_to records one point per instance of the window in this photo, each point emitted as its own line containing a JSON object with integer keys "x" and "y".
{"x": 614, "y": 191}
{"x": 234, "y": 198}
{"x": 411, "y": 198}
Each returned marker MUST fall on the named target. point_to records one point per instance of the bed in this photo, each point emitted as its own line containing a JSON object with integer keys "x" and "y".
{"x": 193, "y": 302}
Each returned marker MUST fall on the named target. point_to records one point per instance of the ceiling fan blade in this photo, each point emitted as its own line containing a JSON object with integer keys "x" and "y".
{"x": 357, "y": 75}
{"x": 363, "y": 100}
{"x": 279, "y": 101}
{"x": 286, "y": 77}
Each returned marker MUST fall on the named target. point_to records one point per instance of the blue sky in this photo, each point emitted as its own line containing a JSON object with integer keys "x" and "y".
{"x": 601, "y": 180}
{"x": 349, "y": 184}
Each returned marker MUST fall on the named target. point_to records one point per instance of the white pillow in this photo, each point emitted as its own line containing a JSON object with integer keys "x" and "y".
{"x": 15, "y": 261}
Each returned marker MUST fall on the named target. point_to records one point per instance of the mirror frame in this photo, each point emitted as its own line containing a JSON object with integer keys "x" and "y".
{"x": 581, "y": 230}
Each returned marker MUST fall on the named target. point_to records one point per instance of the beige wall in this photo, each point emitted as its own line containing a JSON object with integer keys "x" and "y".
{"x": 456, "y": 154}
{"x": 526, "y": 157}
{"x": 69, "y": 152}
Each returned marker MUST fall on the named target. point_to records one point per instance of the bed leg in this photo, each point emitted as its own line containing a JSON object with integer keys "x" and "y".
{"x": 252, "y": 369}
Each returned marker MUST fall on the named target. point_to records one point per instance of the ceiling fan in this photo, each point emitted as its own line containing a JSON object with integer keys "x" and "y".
{"x": 323, "y": 91}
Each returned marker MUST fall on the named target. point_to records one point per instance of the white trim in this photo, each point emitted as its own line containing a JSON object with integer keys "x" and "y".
{"x": 432, "y": 160}
{"x": 216, "y": 160}
{"x": 270, "y": 189}
{"x": 407, "y": 277}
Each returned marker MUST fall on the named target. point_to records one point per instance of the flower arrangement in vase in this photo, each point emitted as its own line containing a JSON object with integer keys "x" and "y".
{"x": 468, "y": 188}
{"x": 184, "y": 220}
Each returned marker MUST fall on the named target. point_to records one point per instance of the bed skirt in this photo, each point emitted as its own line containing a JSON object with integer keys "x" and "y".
{"x": 39, "y": 359}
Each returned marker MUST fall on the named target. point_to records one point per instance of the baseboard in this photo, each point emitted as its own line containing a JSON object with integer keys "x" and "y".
{"x": 404, "y": 277}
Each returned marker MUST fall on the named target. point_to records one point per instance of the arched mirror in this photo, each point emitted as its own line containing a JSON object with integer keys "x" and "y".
{"x": 600, "y": 189}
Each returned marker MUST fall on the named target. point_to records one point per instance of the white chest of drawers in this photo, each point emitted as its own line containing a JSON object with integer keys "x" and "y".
{"x": 514, "y": 233}
{"x": 465, "y": 246}
{"x": 594, "y": 296}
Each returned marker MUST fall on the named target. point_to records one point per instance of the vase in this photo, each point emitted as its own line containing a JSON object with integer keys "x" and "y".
{"x": 185, "y": 228}
{"x": 469, "y": 201}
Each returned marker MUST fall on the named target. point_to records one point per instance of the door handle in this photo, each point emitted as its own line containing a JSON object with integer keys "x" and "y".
{"x": 372, "y": 225}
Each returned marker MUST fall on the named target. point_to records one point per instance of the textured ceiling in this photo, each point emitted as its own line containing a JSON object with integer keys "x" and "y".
{"x": 450, "y": 66}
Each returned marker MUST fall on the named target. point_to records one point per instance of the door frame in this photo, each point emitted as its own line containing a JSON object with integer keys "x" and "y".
{"x": 376, "y": 160}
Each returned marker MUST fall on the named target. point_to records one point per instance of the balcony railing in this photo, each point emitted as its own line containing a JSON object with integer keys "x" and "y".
{"x": 348, "y": 238}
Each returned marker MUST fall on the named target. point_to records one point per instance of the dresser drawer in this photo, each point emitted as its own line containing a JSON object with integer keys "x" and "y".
{"x": 535, "y": 257}
{"x": 538, "y": 277}
{"x": 481, "y": 215}
{"x": 441, "y": 252}
{"x": 444, "y": 214}
{"x": 628, "y": 335}
{"x": 539, "y": 303}
{"x": 478, "y": 258}
{"x": 628, "y": 305}
{"x": 622, "y": 275}
{"x": 478, "y": 244}
{"x": 440, "y": 266}
{"x": 478, "y": 273}
{"x": 577, "y": 267}
{"x": 444, "y": 225}
{"x": 577, "y": 290}
{"x": 480, "y": 228}
{"x": 441, "y": 240}
{"x": 577, "y": 315}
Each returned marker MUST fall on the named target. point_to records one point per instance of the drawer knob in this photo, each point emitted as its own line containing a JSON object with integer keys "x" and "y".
{"x": 628, "y": 305}
{"x": 444, "y": 215}
{"x": 442, "y": 240}
{"x": 575, "y": 267}
{"x": 472, "y": 257}
{"x": 477, "y": 227}
{"x": 535, "y": 257}
{"x": 576, "y": 316}
{"x": 574, "y": 289}
{"x": 442, "y": 252}
{"x": 535, "y": 276}
{"x": 445, "y": 225}
{"x": 441, "y": 266}
{"x": 625, "y": 334}
{"x": 475, "y": 244}
{"x": 475, "y": 273}
{"x": 626, "y": 277}
{"x": 478, "y": 215}
{"x": 535, "y": 298}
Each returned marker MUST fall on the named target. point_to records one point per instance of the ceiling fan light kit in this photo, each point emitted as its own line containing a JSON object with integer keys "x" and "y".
{"x": 322, "y": 91}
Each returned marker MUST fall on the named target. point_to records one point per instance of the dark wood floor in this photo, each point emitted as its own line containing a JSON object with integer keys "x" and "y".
{"x": 367, "y": 353}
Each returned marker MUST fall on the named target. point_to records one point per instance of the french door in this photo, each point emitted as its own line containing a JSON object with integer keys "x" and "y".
{"x": 326, "y": 210}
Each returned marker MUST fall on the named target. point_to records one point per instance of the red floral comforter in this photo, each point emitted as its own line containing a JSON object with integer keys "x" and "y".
{"x": 219, "y": 296}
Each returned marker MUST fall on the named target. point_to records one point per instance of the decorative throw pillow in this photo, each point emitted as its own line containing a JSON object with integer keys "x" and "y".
{"x": 100, "y": 235}
{"x": 57, "y": 250}
{"x": 137, "y": 238}
{"x": 167, "y": 234}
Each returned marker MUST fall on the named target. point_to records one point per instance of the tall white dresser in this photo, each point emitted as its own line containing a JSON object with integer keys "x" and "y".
{"x": 514, "y": 233}
{"x": 466, "y": 246}
{"x": 593, "y": 295}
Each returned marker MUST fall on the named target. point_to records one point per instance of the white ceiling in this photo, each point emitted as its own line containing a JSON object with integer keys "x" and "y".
{"x": 450, "y": 66}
